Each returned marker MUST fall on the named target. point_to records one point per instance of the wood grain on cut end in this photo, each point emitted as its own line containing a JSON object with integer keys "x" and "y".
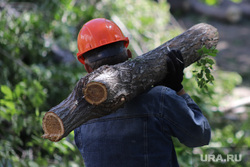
{"x": 95, "y": 93}
{"x": 52, "y": 126}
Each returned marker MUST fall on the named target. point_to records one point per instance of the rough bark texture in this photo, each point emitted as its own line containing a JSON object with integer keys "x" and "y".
{"x": 109, "y": 87}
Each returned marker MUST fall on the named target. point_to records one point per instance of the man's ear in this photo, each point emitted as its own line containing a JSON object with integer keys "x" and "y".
{"x": 88, "y": 68}
{"x": 129, "y": 53}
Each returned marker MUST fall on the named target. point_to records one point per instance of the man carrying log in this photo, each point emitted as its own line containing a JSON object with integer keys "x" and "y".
{"x": 139, "y": 133}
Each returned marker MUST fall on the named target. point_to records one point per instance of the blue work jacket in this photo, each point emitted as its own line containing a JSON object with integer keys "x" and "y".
{"x": 139, "y": 134}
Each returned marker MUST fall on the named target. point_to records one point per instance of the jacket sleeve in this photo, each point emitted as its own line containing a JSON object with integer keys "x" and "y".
{"x": 182, "y": 118}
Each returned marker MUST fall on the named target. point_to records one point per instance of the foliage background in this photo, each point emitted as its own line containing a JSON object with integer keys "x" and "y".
{"x": 34, "y": 77}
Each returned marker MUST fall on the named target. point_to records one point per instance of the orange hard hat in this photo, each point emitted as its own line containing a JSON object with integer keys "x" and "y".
{"x": 96, "y": 33}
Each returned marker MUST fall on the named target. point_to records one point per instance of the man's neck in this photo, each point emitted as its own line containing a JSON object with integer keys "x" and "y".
{"x": 181, "y": 92}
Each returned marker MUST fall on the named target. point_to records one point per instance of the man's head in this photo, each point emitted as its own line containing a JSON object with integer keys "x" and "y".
{"x": 110, "y": 54}
{"x": 101, "y": 42}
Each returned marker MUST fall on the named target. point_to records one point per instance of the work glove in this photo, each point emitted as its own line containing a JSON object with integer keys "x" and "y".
{"x": 175, "y": 67}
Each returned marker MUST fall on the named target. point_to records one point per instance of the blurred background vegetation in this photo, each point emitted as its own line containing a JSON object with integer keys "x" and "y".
{"x": 39, "y": 69}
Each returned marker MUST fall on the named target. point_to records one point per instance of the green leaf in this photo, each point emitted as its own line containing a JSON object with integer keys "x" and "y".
{"x": 7, "y": 92}
{"x": 36, "y": 94}
{"x": 198, "y": 63}
{"x": 200, "y": 74}
{"x": 207, "y": 71}
{"x": 210, "y": 61}
{"x": 18, "y": 90}
{"x": 207, "y": 52}
{"x": 213, "y": 54}
{"x": 203, "y": 61}
{"x": 9, "y": 104}
{"x": 211, "y": 77}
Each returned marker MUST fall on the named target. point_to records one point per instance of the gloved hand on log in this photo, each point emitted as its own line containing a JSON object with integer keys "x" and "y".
{"x": 175, "y": 68}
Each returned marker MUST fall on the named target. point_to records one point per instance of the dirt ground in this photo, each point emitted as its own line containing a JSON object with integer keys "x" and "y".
{"x": 233, "y": 46}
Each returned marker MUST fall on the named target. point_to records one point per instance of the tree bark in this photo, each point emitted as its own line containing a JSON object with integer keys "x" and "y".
{"x": 106, "y": 89}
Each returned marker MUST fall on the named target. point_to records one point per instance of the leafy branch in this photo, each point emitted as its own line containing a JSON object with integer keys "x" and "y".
{"x": 204, "y": 66}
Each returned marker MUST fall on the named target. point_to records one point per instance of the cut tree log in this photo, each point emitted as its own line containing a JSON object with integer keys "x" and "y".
{"x": 106, "y": 89}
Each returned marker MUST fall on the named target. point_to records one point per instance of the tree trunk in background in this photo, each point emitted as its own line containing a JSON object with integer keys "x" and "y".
{"x": 225, "y": 10}
{"x": 106, "y": 89}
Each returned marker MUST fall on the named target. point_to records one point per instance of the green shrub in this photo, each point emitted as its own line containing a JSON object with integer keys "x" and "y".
{"x": 31, "y": 81}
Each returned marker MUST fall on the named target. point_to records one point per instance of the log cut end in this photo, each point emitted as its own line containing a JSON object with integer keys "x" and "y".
{"x": 53, "y": 127}
{"x": 95, "y": 93}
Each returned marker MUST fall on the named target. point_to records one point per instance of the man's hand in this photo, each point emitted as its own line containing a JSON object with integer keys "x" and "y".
{"x": 175, "y": 68}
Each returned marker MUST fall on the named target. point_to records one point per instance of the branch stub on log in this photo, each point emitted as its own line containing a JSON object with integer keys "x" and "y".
{"x": 95, "y": 93}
